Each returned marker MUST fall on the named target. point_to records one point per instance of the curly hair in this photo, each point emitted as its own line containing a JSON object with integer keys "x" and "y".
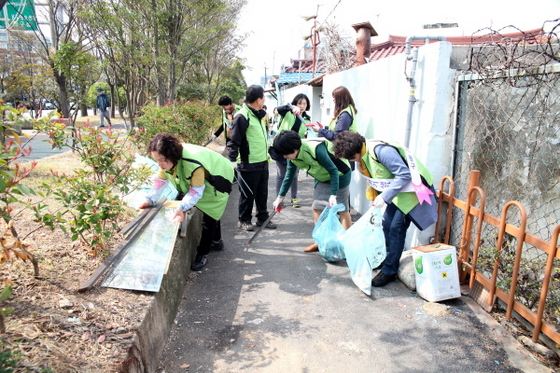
{"x": 347, "y": 144}
{"x": 168, "y": 146}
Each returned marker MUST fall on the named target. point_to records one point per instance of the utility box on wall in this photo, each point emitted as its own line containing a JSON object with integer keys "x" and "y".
{"x": 436, "y": 272}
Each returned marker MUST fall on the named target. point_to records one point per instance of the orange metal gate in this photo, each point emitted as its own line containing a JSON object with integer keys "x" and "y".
{"x": 471, "y": 242}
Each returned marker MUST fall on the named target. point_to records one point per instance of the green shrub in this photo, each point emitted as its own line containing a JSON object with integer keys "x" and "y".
{"x": 90, "y": 198}
{"x": 7, "y": 360}
{"x": 189, "y": 121}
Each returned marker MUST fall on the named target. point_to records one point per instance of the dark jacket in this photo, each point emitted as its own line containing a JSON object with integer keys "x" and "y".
{"x": 248, "y": 140}
{"x": 103, "y": 101}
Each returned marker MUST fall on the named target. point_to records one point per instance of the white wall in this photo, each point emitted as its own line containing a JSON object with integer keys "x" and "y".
{"x": 381, "y": 93}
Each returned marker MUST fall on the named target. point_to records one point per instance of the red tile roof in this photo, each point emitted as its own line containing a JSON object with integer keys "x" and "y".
{"x": 397, "y": 44}
{"x": 305, "y": 67}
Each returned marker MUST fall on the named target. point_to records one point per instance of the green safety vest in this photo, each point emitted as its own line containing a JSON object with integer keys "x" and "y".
{"x": 217, "y": 186}
{"x": 288, "y": 122}
{"x": 256, "y": 135}
{"x": 353, "y": 127}
{"x": 405, "y": 201}
{"x": 307, "y": 159}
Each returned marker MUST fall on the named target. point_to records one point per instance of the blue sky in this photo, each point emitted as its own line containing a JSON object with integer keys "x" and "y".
{"x": 276, "y": 27}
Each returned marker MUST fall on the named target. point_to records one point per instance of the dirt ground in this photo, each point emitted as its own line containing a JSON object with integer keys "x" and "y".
{"x": 53, "y": 328}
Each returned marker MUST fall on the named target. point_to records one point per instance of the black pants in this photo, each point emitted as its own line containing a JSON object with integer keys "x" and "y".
{"x": 211, "y": 231}
{"x": 253, "y": 188}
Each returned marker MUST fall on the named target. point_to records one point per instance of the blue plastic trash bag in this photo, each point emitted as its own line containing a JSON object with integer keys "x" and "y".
{"x": 364, "y": 247}
{"x": 327, "y": 233}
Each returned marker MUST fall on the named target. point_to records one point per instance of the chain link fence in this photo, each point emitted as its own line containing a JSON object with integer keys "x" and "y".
{"x": 508, "y": 128}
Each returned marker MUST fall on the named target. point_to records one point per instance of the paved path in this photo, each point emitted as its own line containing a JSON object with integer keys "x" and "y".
{"x": 41, "y": 148}
{"x": 269, "y": 307}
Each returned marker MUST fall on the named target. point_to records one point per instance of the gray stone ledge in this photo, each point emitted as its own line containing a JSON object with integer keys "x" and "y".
{"x": 150, "y": 339}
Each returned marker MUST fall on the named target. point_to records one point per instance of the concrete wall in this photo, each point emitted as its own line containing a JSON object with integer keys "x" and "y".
{"x": 145, "y": 353}
{"x": 381, "y": 93}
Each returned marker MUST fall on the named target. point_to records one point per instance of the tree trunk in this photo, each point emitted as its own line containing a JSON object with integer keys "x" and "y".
{"x": 61, "y": 82}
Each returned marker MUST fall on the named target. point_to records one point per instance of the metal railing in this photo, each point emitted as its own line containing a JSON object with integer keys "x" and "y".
{"x": 504, "y": 273}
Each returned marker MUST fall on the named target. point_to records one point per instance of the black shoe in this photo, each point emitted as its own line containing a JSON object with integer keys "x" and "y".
{"x": 382, "y": 279}
{"x": 270, "y": 224}
{"x": 379, "y": 266}
{"x": 246, "y": 226}
{"x": 101, "y": 126}
{"x": 199, "y": 262}
{"x": 217, "y": 245}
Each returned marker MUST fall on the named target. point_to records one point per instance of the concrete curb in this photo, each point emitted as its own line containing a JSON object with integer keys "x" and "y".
{"x": 517, "y": 353}
{"x": 151, "y": 337}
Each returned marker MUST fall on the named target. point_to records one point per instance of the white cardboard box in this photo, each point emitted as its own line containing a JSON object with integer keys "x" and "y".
{"x": 436, "y": 272}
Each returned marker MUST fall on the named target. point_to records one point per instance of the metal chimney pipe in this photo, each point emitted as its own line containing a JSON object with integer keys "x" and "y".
{"x": 363, "y": 42}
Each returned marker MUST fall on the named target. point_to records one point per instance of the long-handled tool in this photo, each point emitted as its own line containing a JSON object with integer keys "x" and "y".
{"x": 209, "y": 141}
{"x": 239, "y": 178}
{"x": 259, "y": 229}
{"x": 297, "y": 116}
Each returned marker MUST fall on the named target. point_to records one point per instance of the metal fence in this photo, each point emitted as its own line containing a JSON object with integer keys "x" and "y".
{"x": 508, "y": 128}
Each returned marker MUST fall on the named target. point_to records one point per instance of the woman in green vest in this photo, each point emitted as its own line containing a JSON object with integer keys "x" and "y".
{"x": 344, "y": 116}
{"x": 203, "y": 177}
{"x": 395, "y": 179}
{"x": 316, "y": 158}
{"x": 290, "y": 121}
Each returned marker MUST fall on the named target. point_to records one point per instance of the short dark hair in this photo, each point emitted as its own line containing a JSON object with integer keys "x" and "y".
{"x": 286, "y": 142}
{"x": 301, "y": 96}
{"x": 225, "y": 100}
{"x": 168, "y": 146}
{"x": 347, "y": 144}
{"x": 253, "y": 93}
{"x": 99, "y": 89}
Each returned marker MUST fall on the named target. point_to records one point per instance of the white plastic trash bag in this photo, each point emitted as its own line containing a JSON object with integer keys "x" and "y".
{"x": 136, "y": 197}
{"x": 364, "y": 247}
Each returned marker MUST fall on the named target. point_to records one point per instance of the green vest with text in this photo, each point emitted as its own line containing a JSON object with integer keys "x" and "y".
{"x": 405, "y": 201}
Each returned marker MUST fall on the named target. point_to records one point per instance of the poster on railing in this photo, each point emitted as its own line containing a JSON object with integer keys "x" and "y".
{"x": 144, "y": 263}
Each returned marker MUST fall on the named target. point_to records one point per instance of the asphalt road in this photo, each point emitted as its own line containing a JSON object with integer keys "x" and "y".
{"x": 41, "y": 148}
{"x": 270, "y": 307}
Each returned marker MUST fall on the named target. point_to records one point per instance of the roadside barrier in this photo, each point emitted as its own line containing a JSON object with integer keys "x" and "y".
{"x": 500, "y": 261}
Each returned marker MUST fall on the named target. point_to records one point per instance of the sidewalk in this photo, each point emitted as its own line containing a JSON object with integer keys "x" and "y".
{"x": 270, "y": 307}
{"x": 42, "y": 149}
